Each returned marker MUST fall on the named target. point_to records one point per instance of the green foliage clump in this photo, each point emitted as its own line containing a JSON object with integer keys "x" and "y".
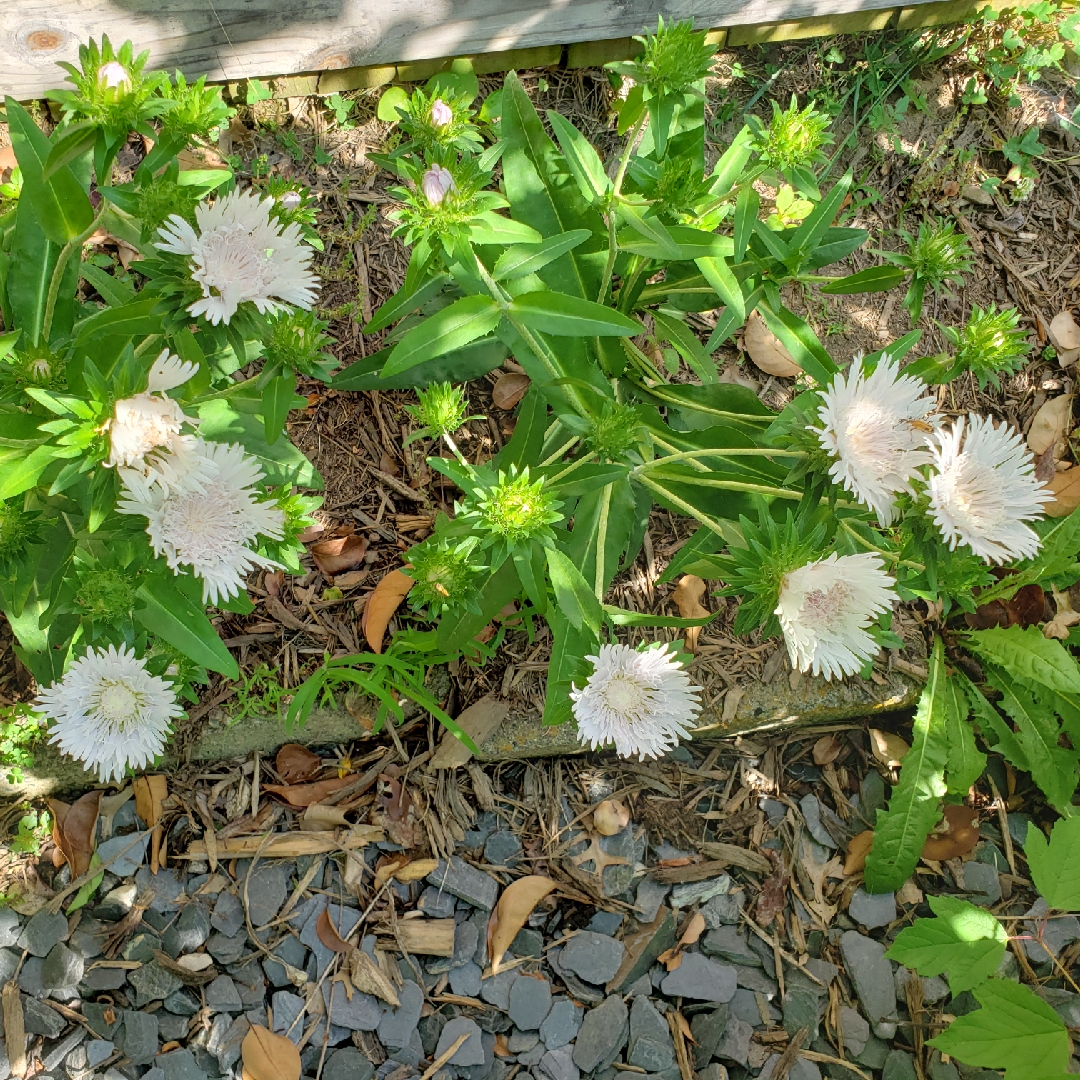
{"x": 937, "y": 257}
{"x": 989, "y": 344}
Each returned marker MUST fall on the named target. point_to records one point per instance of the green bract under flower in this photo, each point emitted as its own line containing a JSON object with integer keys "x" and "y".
{"x": 444, "y": 574}
{"x": 617, "y": 430}
{"x": 990, "y": 344}
{"x": 672, "y": 59}
{"x": 443, "y": 408}
{"x": 516, "y": 510}
{"x": 297, "y": 340}
{"x": 938, "y": 256}
{"x": 794, "y": 138}
{"x": 105, "y": 594}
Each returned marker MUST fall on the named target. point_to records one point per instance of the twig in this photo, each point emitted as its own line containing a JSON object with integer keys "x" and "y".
{"x": 57, "y": 902}
{"x": 443, "y": 1058}
{"x": 827, "y": 1059}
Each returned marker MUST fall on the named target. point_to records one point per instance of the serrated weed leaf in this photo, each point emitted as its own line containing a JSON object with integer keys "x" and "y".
{"x": 1055, "y": 866}
{"x": 1014, "y": 1030}
{"x": 1026, "y": 654}
{"x": 963, "y": 940}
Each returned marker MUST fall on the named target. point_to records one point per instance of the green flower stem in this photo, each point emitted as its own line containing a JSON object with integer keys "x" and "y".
{"x": 601, "y": 543}
{"x": 863, "y": 542}
{"x": 684, "y": 506}
{"x": 567, "y": 446}
{"x": 73, "y": 245}
{"x": 735, "y": 485}
{"x": 552, "y": 480}
{"x": 146, "y": 343}
{"x": 741, "y": 451}
{"x": 453, "y": 448}
{"x": 624, "y": 161}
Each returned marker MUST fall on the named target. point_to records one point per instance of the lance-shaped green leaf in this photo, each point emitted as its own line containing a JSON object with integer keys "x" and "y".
{"x": 463, "y": 321}
{"x": 582, "y": 160}
{"x": 872, "y": 279}
{"x": 1055, "y": 866}
{"x": 914, "y": 807}
{"x": 136, "y": 319}
{"x": 746, "y": 217}
{"x": 718, "y": 274}
{"x": 567, "y": 666}
{"x": 687, "y": 346}
{"x": 801, "y": 341}
{"x": 1027, "y": 655}
{"x": 623, "y": 617}
{"x": 68, "y": 145}
{"x": 573, "y": 594}
{"x": 401, "y": 303}
{"x": 279, "y": 397}
{"x": 492, "y": 228}
{"x": 966, "y": 762}
{"x": 569, "y": 316}
{"x": 165, "y": 611}
{"x": 964, "y": 940}
{"x": 524, "y": 259}
{"x": 811, "y": 232}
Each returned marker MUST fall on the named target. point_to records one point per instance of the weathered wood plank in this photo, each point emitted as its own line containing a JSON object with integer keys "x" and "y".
{"x": 236, "y": 39}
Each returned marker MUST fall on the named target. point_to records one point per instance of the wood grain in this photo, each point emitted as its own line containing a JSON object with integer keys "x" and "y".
{"x": 237, "y": 39}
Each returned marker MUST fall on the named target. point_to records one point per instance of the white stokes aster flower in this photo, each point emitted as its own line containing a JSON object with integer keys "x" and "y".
{"x": 983, "y": 489}
{"x": 241, "y": 254}
{"x": 640, "y": 701}
{"x": 825, "y": 608}
{"x": 877, "y": 426}
{"x": 109, "y": 712}
{"x": 206, "y": 524}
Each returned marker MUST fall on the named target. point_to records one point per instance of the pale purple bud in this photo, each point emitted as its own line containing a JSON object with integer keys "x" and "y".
{"x": 435, "y": 183}
{"x": 441, "y": 113}
{"x": 290, "y": 200}
{"x": 114, "y": 76}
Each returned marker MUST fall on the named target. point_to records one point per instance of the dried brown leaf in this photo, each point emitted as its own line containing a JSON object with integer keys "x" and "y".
{"x": 1064, "y": 331}
{"x": 317, "y": 818}
{"x": 478, "y": 721}
{"x": 1065, "y": 487}
{"x": 766, "y": 349}
{"x": 75, "y": 834}
{"x": 296, "y": 764}
{"x": 368, "y": 978}
{"x": 381, "y": 605}
{"x": 306, "y": 794}
{"x": 858, "y": 848}
{"x": 827, "y": 749}
{"x": 514, "y": 907}
{"x": 887, "y": 747}
{"x": 687, "y": 597}
{"x": 610, "y": 817}
{"x": 957, "y": 835}
{"x": 150, "y": 793}
{"x": 324, "y": 930}
{"x": 267, "y": 1056}
{"x": 1050, "y": 426}
{"x": 509, "y": 389}
{"x": 340, "y": 554}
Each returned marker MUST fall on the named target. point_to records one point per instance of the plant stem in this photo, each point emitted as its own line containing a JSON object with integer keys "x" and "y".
{"x": 568, "y": 445}
{"x": 601, "y": 543}
{"x": 624, "y": 161}
{"x": 731, "y": 485}
{"x": 685, "y": 507}
{"x": 73, "y": 245}
{"x": 570, "y": 468}
{"x": 741, "y": 451}
{"x": 881, "y": 551}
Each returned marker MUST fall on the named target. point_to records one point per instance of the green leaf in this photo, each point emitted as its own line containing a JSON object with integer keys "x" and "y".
{"x": 110, "y": 288}
{"x": 165, "y": 611}
{"x": 492, "y": 228}
{"x": 570, "y": 316}
{"x": 20, "y": 471}
{"x": 1055, "y": 866}
{"x": 703, "y": 543}
{"x": 1015, "y": 1030}
{"x": 681, "y": 242}
{"x": 82, "y": 897}
{"x": 706, "y": 406}
{"x": 279, "y": 395}
{"x": 623, "y": 617}
{"x": 393, "y": 98}
{"x": 458, "y": 628}
{"x": 661, "y": 244}
{"x": 964, "y": 940}
{"x": 573, "y": 594}
{"x": 872, "y": 279}
{"x": 462, "y": 365}
{"x": 718, "y": 274}
{"x": 631, "y": 108}
{"x": 812, "y": 231}
{"x": 525, "y": 259}
{"x": 913, "y": 809}
{"x": 965, "y": 761}
{"x": 687, "y": 346}
{"x": 463, "y": 321}
{"x": 529, "y": 562}
{"x": 27, "y": 290}
{"x": 401, "y": 303}
{"x": 582, "y": 160}
{"x": 136, "y": 319}
{"x": 1027, "y": 655}
{"x": 746, "y": 216}
{"x": 567, "y": 664}
{"x": 801, "y": 341}
{"x": 615, "y": 506}
{"x": 68, "y": 145}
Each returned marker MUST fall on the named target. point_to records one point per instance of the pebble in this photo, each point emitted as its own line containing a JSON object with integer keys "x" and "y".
{"x": 871, "y": 973}
{"x": 593, "y": 957}
{"x": 466, "y": 940}
{"x": 899, "y": 1066}
{"x": 266, "y": 890}
{"x": 62, "y": 968}
{"x": 42, "y": 932}
{"x": 496, "y": 989}
{"x": 872, "y": 909}
{"x": 291, "y": 951}
{"x": 362, "y": 1013}
{"x": 9, "y": 927}
{"x": 226, "y": 1040}
{"x": 605, "y": 922}
{"x": 471, "y": 1051}
{"x": 503, "y": 848}
{"x": 227, "y": 950}
{"x": 813, "y": 811}
{"x": 700, "y": 978}
{"x": 138, "y": 1036}
{"x": 723, "y": 910}
{"x": 734, "y": 1045}
{"x": 982, "y": 882}
{"x": 529, "y": 1002}
{"x": 650, "y": 895}
{"x": 40, "y": 1019}
{"x": 228, "y": 915}
{"x": 62, "y": 1049}
{"x": 189, "y": 932}
{"x": 934, "y": 988}
{"x": 165, "y": 890}
{"x": 222, "y": 996}
{"x": 97, "y": 1050}
{"x": 521, "y": 1042}
{"x": 707, "y": 1029}
{"x": 602, "y": 1035}
{"x": 755, "y": 979}
{"x": 151, "y": 982}
{"x": 559, "y": 1064}
{"x": 529, "y": 942}
{"x": 651, "y": 1047}
{"x": 397, "y": 1025}
{"x": 348, "y": 1064}
{"x": 125, "y": 854}
{"x": 856, "y": 1031}
{"x": 698, "y": 892}
{"x": 727, "y": 943}
{"x": 561, "y": 1024}
{"x": 182, "y": 1003}
{"x": 465, "y": 882}
{"x": 465, "y": 980}
{"x": 436, "y": 903}
{"x": 180, "y": 1065}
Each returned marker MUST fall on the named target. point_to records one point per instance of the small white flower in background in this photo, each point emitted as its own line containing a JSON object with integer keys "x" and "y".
{"x": 441, "y": 113}
{"x": 877, "y": 426}
{"x": 983, "y": 489}
{"x": 436, "y": 183}
{"x": 115, "y": 76}
{"x": 825, "y": 608}
{"x": 640, "y": 701}
{"x": 240, "y": 254}
{"x": 109, "y": 712}
{"x": 207, "y": 523}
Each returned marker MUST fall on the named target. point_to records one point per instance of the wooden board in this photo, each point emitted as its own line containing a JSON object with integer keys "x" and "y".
{"x": 237, "y": 39}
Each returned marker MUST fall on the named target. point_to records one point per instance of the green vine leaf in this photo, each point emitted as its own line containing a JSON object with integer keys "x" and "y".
{"x": 1055, "y": 866}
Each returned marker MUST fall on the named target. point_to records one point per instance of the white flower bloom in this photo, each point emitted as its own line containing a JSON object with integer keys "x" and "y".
{"x": 640, "y": 701}
{"x": 109, "y": 712}
{"x": 115, "y": 76}
{"x": 825, "y": 608}
{"x": 877, "y": 426}
{"x": 981, "y": 495}
{"x": 436, "y": 183}
{"x": 168, "y": 372}
{"x": 240, "y": 254}
{"x": 441, "y": 113}
{"x": 207, "y": 524}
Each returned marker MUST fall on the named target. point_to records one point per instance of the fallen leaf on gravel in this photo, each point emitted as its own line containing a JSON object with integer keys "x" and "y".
{"x": 388, "y": 465}
{"x": 827, "y": 749}
{"x": 1058, "y": 626}
{"x": 509, "y": 389}
{"x": 478, "y": 721}
{"x": 514, "y": 907}
{"x": 1064, "y": 332}
{"x": 14, "y": 1027}
{"x": 267, "y": 1056}
{"x": 1065, "y": 487}
{"x": 957, "y": 836}
{"x": 328, "y": 935}
{"x": 687, "y": 597}
{"x": 858, "y": 848}
{"x": 381, "y": 605}
{"x": 317, "y": 818}
{"x": 1026, "y": 608}
{"x": 415, "y": 869}
{"x": 695, "y": 927}
{"x": 368, "y": 978}
{"x": 150, "y": 793}
{"x": 340, "y": 554}
{"x": 188, "y": 975}
{"x": 773, "y": 895}
{"x": 502, "y": 1047}
{"x": 75, "y": 834}
{"x": 274, "y": 581}
{"x": 306, "y": 794}
{"x": 1050, "y": 426}
{"x": 888, "y": 748}
{"x": 766, "y": 349}
{"x": 610, "y": 817}
{"x": 296, "y": 764}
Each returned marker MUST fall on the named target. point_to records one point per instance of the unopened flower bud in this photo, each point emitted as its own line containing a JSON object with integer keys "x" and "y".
{"x": 114, "y": 76}
{"x": 290, "y": 200}
{"x": 441, "y": 113}
{"x": 435, "y": 184}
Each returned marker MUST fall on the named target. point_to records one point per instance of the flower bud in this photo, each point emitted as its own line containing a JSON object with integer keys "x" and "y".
{"x": 441, "y": 113}
{"x": 290, "y": 200}
{"x": 435, "y": 184}
{"x": 114, "y": 76}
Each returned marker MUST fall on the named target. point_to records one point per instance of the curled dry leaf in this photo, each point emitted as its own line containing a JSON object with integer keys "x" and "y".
{"x": 267, "y": 1056}
{"x": 1065, "y": 487}
{"x": 766, "y": 349}
{"x": 324, "y": 929}
{"x": 1026, "y": 608}
{"x": 150, "y": 793}
{"x": 415, "y": 869}
{"x": 368, "y": 978}
{"x": 771, "y": 899}
{"x": 610, "y": 817}
{"x": 340, "y": 554}
{"x": 295, "y": 764}
{"x": 273, "y": 582}
{"x": 687, "y": 596}
{"x": 509, "y": 389}
{"x": 319, "y": 818}
{"x": 514, "y": 907}
{"x": 306, "y": 794}
{"x": 381, "y": 605}
{"x": 75, "y": 832}
{"x": 1065, "y": 616}
{"x": 1050, "y": 426}
{"x": 957, "y": 835}
{"x": 692, "y": 931}
{"x": 888, "y": 748}
{"x": 858, "y": 848}
{"x": 1064, "y": 332}
{"x": 827, "y": 749}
